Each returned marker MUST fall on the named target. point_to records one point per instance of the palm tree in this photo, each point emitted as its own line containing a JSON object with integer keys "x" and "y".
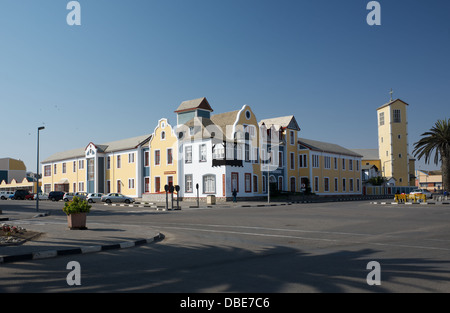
{"x": 437, "y": 139}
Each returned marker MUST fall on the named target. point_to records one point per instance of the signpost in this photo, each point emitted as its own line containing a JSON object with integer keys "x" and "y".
{"x": 177, "y": 188}
{"x": 171, "y": 189}
{"x": 198, "y": 205}
{"x": 166, "y": 188}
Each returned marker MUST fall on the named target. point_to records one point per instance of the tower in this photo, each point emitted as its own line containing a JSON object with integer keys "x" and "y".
{"x": 393, "y": 141}
{"x": 193, "y": 108}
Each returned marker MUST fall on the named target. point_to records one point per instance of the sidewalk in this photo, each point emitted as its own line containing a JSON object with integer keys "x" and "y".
{"x": 57, "y": 239}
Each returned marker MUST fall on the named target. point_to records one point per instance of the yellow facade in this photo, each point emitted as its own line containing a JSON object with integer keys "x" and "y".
{"x": 14, "y": 185}
{"x": 244, "y": 121}
{"x": 163, "y": 157}
{"x": 377, "y": 163}
{"x": 291, "y": 150}
{"x": 120, "y": 174}
{"x": 330, "y": 171}
{"x": 344, "y": 178}
{"x": 393, "y": 142}
{"x": 66, "y": 175}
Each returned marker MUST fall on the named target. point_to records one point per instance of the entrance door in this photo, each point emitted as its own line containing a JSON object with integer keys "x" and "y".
{"x": 235, "y": 182}
{"x": 292, "y": 184}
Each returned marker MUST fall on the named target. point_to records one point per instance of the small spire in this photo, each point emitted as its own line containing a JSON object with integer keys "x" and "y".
{"x": 391, "y": 92}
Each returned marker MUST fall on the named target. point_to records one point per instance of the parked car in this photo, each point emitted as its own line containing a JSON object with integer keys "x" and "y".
{"x": 421, "y": 191}
{"x": 116, "y": 197}
{"x": 29, "y": 196}
{"x": 4, "y": 195}
{"x": 94, "y": 197}
{"x": 56, "y": 195}
{"x": 20, "y": 194}
{"x": 42, "y": 196}
{"x": 68, "y": 196}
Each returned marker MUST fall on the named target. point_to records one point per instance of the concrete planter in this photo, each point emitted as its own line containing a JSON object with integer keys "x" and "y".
{"x": 77, "y": 221}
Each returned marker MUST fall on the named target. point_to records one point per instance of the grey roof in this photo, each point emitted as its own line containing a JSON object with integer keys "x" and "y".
{"x": 327, "y": 147}
{"x": 203, "y": 128}
{"x": 432, "y": 173}
{"x": 200, "y": 103}
{"x": 283, "y": 121}
{"x": 367, "y": 154}
{"x": 225, "y": 121}
{"x": 69, "y": 154}
{"x": 118, "y": 145}
{"x": 368, "y": 167}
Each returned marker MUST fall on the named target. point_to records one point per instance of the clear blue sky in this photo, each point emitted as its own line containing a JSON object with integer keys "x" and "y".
{"x": 133, "y": 62}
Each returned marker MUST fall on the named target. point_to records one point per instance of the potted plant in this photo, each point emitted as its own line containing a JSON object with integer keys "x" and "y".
{"x": 76, "y": 211}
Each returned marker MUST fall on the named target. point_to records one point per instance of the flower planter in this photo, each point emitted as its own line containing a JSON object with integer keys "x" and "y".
{"x": 76, "y": 221}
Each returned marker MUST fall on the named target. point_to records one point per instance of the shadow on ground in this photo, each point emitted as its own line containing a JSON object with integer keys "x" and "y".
{"x": 171, "y": 268}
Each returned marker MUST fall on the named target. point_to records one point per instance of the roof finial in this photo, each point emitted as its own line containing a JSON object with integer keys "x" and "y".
{"x": 391, "y": 92}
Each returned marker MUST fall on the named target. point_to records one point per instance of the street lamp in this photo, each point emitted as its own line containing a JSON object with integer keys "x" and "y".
{"x": 37, "y": 166}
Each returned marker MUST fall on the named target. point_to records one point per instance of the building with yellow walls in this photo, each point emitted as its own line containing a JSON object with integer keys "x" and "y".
{"x": 392, "y": 159}
{"x": 116, "y": 166}
{"x": 329, "y": 169}
{"x": 12, "y": 169}
{"x": 14, "y": 176}
{"x": 287, "y": 173}
{"x": 231, "y": 151}
{"x": 163, "y": 157}
{"x": 393, "y": 141}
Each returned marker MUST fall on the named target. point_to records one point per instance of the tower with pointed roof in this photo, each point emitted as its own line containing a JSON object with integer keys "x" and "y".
{"x": 393, "y": 141}
{"x": 193, "y": 108}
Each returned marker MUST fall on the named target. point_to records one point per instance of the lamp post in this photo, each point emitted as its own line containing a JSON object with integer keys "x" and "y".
{"x": 37, "y": 168}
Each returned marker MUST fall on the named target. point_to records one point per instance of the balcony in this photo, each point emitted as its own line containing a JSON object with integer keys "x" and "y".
{"x": 221, "y": 162}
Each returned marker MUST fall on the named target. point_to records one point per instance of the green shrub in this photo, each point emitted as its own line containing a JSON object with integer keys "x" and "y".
{"x": 76, "y": 206}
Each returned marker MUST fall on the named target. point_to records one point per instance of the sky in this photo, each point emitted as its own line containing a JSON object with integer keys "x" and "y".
{"x": 132, "y": 62}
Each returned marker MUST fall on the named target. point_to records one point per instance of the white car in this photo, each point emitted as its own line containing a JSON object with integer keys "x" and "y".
{"x": 42, "y": 196}
{"x": 68, "y": 196}
{"x": 94, "y": 197}
{"x": 116, "y": 197}
{"x": 423, "y": 192}
{"x": 4, "y": 195}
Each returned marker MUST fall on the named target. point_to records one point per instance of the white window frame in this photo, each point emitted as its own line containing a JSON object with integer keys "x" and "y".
{"x": 188, "y": 183}
{"x": 209, "y": 186}
{"x": 316, "y": 183}
{"x": 315, "y": 161}
{"x": 131, "y": 157}
{"x": 202, "y": 153}
{"x": 326, "y": 184}
{"x": 327, "y": 162}
{"x": 188, "y": 152}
